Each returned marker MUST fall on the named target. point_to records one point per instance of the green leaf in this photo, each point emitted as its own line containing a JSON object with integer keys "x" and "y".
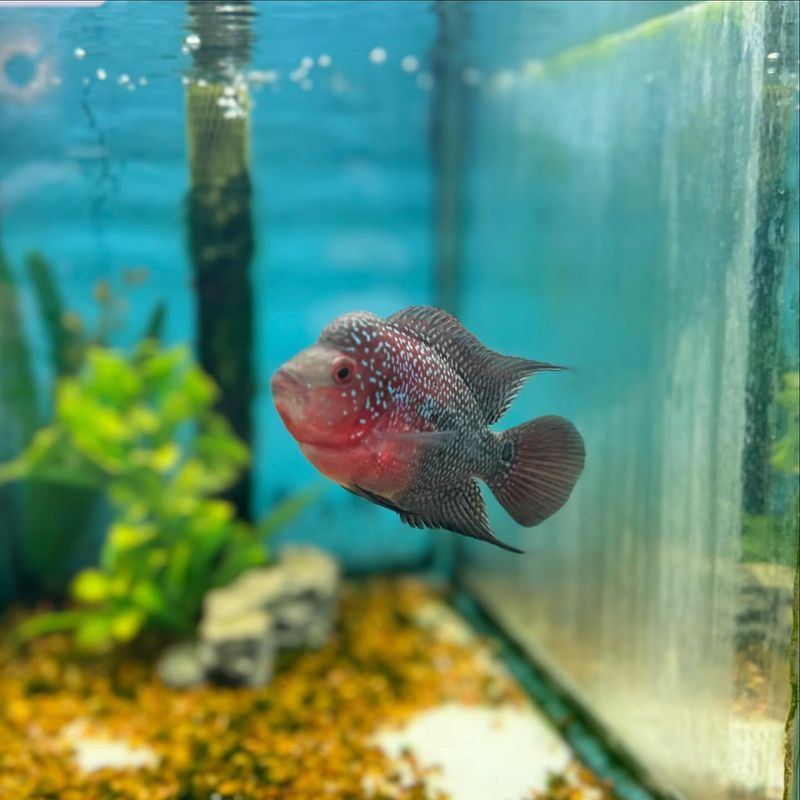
{"x": 240, "y": 555}
{"x": 94, "y": 631}
{"x": 126, "y": 624}
{"x": 91, "y": 586}
{"x": 66, "y": 346}
{"x": 51, "y": 457}
{"x": 111, "y": 378}
{"x": 44, "y": 624}
{"x": 155, "y": 325}
{"x": 18, "y": 401}
{"x": 148, "y": 597}
{"x": 285, "y": 511}
{"x": 124, "y": 536}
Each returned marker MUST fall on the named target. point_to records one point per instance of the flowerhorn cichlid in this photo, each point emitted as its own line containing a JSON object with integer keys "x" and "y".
{"x": 397, "y": 411}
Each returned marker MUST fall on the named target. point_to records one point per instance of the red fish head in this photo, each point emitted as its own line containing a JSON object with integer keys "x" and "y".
{"x": 321, "y": 395}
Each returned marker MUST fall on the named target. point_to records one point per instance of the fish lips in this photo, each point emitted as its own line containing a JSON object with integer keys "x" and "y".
{"x": 289, "y": 393}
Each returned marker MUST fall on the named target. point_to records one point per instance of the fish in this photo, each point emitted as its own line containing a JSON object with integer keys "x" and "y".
{"x": 398, "y": 410}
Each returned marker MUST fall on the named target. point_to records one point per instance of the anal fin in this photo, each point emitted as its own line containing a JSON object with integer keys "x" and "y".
{"x": 459, "y": 509}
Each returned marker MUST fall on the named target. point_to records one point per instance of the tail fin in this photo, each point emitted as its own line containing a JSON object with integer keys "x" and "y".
{"x": 539, "y": 463}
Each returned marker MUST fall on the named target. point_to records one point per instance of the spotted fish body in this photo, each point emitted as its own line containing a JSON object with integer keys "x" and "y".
{"x": 398, "y": 411}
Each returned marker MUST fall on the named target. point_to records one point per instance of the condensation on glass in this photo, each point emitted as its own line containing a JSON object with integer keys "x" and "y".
{"x": 636, "y": 197}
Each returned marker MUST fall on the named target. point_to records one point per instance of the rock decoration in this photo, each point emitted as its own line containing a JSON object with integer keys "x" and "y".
{"x": 289, "y": 604}
{"x": 179, "y": 665}
{"x": 238, "y": 650}
{"x": 765, "y": 603}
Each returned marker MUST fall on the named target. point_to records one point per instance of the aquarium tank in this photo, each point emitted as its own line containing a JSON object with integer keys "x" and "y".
{"x": 191, "y": 191}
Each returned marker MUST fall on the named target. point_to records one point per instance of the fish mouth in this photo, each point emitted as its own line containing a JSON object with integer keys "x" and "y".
{"x": 289, "y": 392}
{"x": 286, "y": 379}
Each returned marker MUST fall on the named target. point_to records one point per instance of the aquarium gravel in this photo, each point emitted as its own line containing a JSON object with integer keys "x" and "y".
{"x": 309, "y": 735}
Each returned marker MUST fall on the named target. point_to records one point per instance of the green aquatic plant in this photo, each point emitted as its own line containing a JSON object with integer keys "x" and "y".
{"x": 785, "y": 452}
{"x": 141, "y": 429}
{"x": 38, "y": 510}
{"x": 773, "y": 537}
{"x": 17, "y": 412}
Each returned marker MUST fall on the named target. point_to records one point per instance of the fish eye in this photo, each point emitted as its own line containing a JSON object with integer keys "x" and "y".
{"x": 343, "y": 369}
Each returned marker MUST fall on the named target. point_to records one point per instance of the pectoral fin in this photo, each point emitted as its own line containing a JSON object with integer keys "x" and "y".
{"x": 406, "y": 446}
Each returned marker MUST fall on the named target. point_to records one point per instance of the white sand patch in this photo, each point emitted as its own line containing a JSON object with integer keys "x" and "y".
{"x": 482, "y": 752}
{"x": 93, "y": 753}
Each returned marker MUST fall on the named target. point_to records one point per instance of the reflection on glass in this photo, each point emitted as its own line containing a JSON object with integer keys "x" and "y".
{"x": 658, "y": 254}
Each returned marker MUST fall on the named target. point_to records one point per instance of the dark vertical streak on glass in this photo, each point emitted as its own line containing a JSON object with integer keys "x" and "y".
{"x": 449, "y": 132}
{"x": 765, "y": 362}
{"x": 220, "y": 225}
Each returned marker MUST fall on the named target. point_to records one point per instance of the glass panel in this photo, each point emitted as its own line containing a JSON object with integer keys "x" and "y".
{"x": 632, "y": 212}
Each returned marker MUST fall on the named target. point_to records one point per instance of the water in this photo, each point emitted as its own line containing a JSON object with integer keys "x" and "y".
{"x": 611, "y": 186}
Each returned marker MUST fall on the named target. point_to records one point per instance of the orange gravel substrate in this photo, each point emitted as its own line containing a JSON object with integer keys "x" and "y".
{"x": 307, "y": 736}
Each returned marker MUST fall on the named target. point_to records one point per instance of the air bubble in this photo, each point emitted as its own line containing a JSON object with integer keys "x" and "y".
{"x": 192, "y": 41}
{"x": 123, "y": 79}
{"x": 409, "y": 64}
{"x": 377, "y": 55}
{"x": 324, "y": 60}
{"x": 773, "y": 56}
{"x": 101, "y": 74}
{"x": 263, "y": 76}
{"x": 306, "y": 62}
{"x": 79, "y": 52}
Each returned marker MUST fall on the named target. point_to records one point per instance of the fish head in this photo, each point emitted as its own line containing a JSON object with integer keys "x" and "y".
{"x": 315, "y": 396}
{"x": 335, "y": 392}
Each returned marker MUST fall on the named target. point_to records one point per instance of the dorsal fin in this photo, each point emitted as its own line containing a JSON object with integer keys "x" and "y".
{"x": 494, "y": 379}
